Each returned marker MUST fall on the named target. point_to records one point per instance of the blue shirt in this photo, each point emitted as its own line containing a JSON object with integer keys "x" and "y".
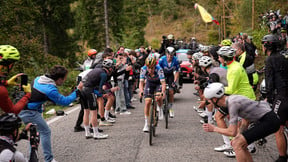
{"x": 169, "y": 68}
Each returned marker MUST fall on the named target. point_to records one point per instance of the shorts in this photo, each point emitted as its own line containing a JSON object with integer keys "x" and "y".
{"x": 151, "y": 88}
{"x": 280, "y": 107}
{"x": 267, "y": 125}
{"x": 169, "y": 80}
{"x": 88, "y": 98}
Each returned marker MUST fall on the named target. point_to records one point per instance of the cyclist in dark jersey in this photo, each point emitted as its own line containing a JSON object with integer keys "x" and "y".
{"x": 241, "y": 106}
{"x": 155, "y": 82}
{"x": 8, "y": 56}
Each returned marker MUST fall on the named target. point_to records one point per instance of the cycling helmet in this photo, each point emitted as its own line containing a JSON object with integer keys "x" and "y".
{"x": 205, "y": 61}
{"x": 107, "y": 64}
{"x": 8, "y": 54}
{"x": 151, "y": 61}
{"x": 214, "y": 90}
{"x": 170, "y": 36}
{"x": 170, "y": 51}
{"x": 271, "y": 41}
{"x": 205, "y": 49}
{"x": 263, "y": 87}
{"x": 197, "y": 55}
{"x": 226, "y": 42}
{"x": 9, "y": 122}
{"x": 92, "y": 52}
{"x": 226, "y": 51}
{"x": 193, "y": 38}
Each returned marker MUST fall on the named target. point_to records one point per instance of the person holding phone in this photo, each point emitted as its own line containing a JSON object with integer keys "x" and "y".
{"x": 8, "y": 56}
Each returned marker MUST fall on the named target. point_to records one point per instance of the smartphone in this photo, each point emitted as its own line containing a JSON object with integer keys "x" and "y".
{"x": 24, "y": 80}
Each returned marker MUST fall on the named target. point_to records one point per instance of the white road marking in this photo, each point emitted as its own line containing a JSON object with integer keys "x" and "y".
{"x": 66, "y": 113}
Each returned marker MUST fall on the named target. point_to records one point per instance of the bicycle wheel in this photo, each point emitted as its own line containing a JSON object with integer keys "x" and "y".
{"x": 155, "y": 118}
{"x": 166, "y": 112}
{"x": 151, "y": 126}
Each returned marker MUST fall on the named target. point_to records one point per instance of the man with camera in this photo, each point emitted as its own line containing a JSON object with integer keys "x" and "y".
{"x": 44, "y": 89}
{"x": 8, "y": 56}
{"x": 9, "y": 135}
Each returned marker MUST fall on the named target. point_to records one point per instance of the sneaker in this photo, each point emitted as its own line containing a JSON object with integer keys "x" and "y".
{"x": 105, "y": 123}
{"x": 111, "y": 115}
{"x": 125, "y": 113}
{"x": 110, "y": 120}
{"x": 99, "y": 130}
{"x": 203, "y": 114}
{"x": 200, "y": 110}
{"x": 100, "y": 136}
{"x": 171, "y": 113}
{"x": 222, "y": 148}
{"x": 252, "y": 150}
{"x": 133, "y": 99}
{"x": 78, "y": 129}
{"x": 90, "y": 135}
{"x": 130, "y": 107}
{"x": 281, "y": 159}
{"x": 146, "y": 128}
{"x": 160, "y": 114}
{"x": 53, "y": 160}
{"x": 230, "y": 153}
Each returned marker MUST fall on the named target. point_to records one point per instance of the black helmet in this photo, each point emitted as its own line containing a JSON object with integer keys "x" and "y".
{"x": 271, "y": 42}
{"x": 9, "y": 122}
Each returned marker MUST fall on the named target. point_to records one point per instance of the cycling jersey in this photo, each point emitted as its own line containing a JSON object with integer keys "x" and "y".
{"x": 238, "y": 82}
{"x": 7, "y": 105}
{"x": 158, "y": 74}
{"x": 43, "y": 89}
{"x": 169, "y": 68}
{"x": 95, "y": 79}
{"x": 221, "y": 75}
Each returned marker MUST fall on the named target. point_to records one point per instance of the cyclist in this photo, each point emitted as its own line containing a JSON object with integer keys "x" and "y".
{"x": 155, "y": 82}
{"x": 241, "y": 106}
{"x": 90, "y": 60}
{"x": 8, "y": 56}
{"x": 44, "y": 89}
{"x": 93, "y": 94}
{"x": 9, "y": 135}
{"x": 276, "y": 82}
{"x": 170, "y": 65}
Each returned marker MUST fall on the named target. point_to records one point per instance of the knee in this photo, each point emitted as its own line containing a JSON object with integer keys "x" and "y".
{"x": 239, "y": 143}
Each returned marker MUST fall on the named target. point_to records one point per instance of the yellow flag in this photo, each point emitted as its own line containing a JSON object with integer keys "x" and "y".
{"x": 204, "y": 14}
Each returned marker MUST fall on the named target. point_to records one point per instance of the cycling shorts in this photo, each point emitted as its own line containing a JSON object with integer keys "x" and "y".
{"x": 280, "y": 107}
{"x": 267, "y": 125}
{"x": 151, "y": 88}
{"x": 88, "y": 98}
{"x": 170, "y": 80}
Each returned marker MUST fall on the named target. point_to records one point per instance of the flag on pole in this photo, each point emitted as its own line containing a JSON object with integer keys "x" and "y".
{"x": 206, "y": 17}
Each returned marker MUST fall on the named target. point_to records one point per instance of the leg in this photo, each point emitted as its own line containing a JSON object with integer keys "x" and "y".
{"x": 281, "y": 141}
{"x": 239, "y": 145}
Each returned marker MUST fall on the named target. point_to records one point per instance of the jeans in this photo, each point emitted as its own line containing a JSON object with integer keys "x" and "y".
{"x": 120, "y": 98}
{"x": 29, "y": 116}
{"x": 126, "y": 93}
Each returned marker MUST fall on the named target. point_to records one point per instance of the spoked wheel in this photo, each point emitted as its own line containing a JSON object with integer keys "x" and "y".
{"x": 151, "y": 125}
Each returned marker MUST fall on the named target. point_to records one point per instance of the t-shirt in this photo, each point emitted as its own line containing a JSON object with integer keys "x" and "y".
{"x": 241, "y": 106}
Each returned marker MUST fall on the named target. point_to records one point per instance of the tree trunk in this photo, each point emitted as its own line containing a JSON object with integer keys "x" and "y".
{"x": 106, "y": 23}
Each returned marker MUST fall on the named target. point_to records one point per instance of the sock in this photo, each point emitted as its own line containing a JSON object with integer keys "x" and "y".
{"x": 158, "y": 108}
{"x": 146, "y": 120}
{"x": 170, "y": 105}
{"x": 87, "y": 131}
{"x": 226, "y": 140}
{"x": 95, "y": 130}
{"x": 106, "y": 114}
{"x": 209, "y": 114}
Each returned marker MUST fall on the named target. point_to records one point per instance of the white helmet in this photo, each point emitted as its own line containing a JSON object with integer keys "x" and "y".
{"x": 263, "y": 87}
{"x": 197, "y": 55}
{"x": 170, "y": 51}
{"x": 226, "y": 51}
{"x": 170, "y": 36}
{"x": 205, "y": 61}
{"x": 214, "y": 90}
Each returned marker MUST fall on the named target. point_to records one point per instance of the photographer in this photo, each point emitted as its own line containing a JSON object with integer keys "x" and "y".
{"x": 8, "y": 56}
{"x": 44, "y": 89}
{"x": 9, "y": 129}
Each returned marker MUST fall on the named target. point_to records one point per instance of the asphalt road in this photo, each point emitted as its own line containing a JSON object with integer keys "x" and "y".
{"x": 185, "y": 139}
